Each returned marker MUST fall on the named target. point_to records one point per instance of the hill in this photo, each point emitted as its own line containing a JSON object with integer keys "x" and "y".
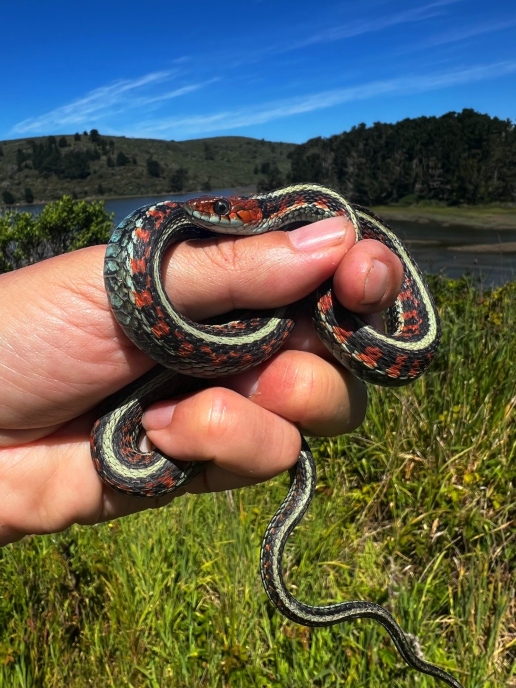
{"x": 93, "y": 165}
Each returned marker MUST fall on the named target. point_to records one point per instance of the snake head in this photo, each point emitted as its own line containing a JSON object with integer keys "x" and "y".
{"x": 226, "y": 214}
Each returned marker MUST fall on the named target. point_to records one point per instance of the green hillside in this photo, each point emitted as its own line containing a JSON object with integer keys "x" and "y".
{"x": 93, "y": 165}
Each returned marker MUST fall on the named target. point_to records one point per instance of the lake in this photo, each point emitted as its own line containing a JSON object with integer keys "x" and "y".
{"x": 436, "y": 248}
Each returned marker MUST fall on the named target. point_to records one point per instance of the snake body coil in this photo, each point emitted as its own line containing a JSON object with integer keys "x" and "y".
{"x": 189, "y": 352}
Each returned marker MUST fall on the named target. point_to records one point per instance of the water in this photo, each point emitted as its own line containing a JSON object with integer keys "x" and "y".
{"x": 434, "y": 246}
{"x": 436, "y": 250}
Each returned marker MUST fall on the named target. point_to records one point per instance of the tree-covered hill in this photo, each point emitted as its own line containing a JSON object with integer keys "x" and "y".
{"x": 459, "y": 158}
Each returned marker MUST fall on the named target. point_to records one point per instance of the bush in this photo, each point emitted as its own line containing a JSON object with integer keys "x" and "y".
{"x": 63, "y": 226}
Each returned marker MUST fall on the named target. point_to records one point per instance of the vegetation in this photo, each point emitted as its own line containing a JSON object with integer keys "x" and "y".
{"x": 62, "y": 226}
{"x": 415, "y": 511}
{"x": 459, "y": 158}
{"x": 82, "y": 164}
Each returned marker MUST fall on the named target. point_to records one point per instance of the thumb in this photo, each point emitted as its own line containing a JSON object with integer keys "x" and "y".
{"x": 213, "y": 276}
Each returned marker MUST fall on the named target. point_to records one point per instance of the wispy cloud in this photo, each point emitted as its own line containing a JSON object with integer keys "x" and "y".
{"x": 103, "y": 102}
{"x": 462, "y": 33}
{"x": 233, "y": 119}
{"x": 357, "y": 27}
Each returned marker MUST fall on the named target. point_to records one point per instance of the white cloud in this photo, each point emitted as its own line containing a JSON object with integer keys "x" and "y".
{"x": 103, "y": 102}
{"x": 228, "y": 120}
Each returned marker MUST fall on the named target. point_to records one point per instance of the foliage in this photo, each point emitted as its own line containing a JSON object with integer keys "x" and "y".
{"x": 178, "y": 180}
{"x": 122, "y": 159}
{"x": 461, "y": 157}
{"x": 7, "y": 197}
{"x": 273, "y": 178}
{"x": 62, "y": 226}
{"x": 47, "y": 159}
{"x": 416, "y": 511}
{"x": 153, "y": 168}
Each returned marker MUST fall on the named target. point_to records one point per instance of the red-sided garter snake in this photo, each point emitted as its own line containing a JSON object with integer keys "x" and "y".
{"x": 190, "y": 352}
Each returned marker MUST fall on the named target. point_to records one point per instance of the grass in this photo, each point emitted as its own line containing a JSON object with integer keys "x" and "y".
{"x": 415, "y": 511}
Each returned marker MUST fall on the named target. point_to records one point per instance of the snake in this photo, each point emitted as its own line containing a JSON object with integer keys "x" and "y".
{"x": 188, "y": 354}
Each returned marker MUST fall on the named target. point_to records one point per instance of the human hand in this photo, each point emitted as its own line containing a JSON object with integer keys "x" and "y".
{"x": 63, "y": 353}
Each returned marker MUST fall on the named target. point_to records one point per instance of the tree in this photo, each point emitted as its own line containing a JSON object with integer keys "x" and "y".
{"x": 8, "y": 197}
{"x": 28, "y": 195}
{"x": 122, "y": 159}
{"x": 153, "y": 167}
{"x": 63, "y": 225}
{"x": 20, "y": 158}
{"x": 63, "y": 142}
{"x": 273, "y": 180}
{"x": 178, "y": 180}
{"x": 94, "y": 136}
{"x": 77, "y": 136}
{"x": 209, "y": 153}
{"x": 46, "y": 156}
{"x": 75, "y": 165}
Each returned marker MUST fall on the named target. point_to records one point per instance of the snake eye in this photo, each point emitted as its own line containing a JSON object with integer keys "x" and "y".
{"x": 221, "y": 206}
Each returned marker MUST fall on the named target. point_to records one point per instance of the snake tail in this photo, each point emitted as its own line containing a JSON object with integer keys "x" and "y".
{"x": 295, "y": 505}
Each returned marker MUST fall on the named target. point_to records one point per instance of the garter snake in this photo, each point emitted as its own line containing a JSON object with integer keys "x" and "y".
{"x": 189, "y": 352}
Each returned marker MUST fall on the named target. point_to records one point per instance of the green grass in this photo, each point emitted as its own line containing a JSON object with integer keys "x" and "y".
{"x": 416, "y": 511}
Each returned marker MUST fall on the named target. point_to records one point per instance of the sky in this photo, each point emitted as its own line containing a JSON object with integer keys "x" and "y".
{"x": 282, "y": 70}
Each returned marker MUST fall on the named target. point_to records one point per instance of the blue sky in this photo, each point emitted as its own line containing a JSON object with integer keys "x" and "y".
{"x": 275, "y": 69}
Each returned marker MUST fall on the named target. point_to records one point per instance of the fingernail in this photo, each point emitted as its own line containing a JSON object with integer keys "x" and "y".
{"x": 376, "y": 283}
{"x": 159, "y": 417}
{"x": 319, "y": 234}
